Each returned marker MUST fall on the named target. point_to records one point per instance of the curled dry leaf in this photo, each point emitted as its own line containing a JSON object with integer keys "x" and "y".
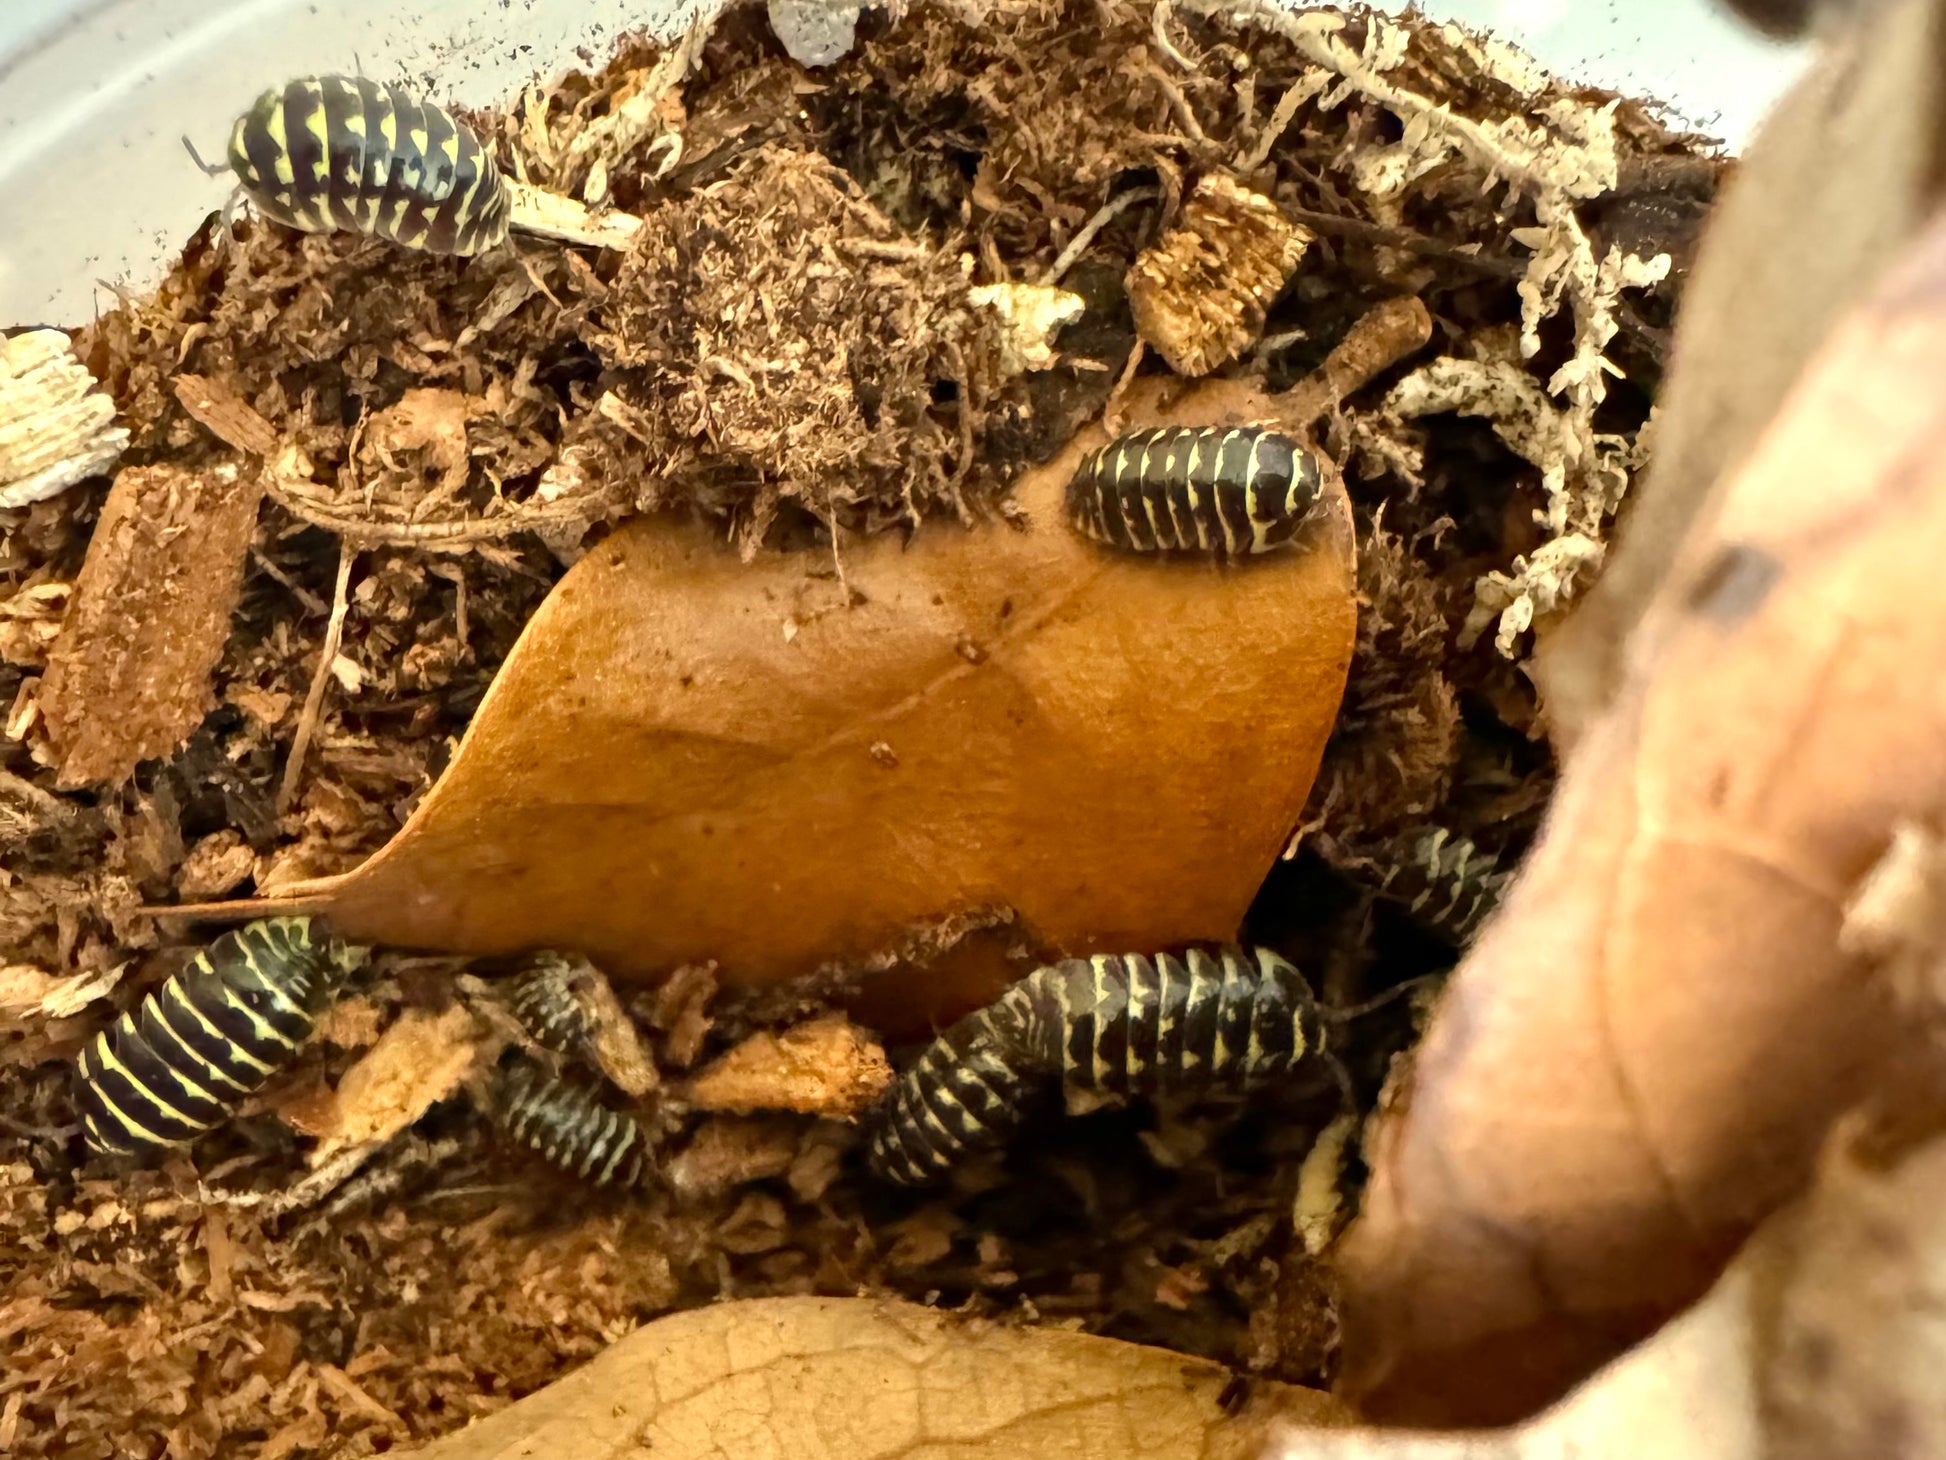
{"x": 686, "y": 758}
{"x": 128, "y": 677}
{"x": 416, "y": 1063}
{"x": 827, "y": 1067}
{"x": 843, "y": 1378}
{"x": 1641, "y": 1058}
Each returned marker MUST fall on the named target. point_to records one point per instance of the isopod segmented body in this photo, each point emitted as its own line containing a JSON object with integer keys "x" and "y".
{"x": 180, "y": 1063}
{"x": 567, "y": 1125}
{"x": 968, "y": 1090}
{"x": 1445, "y": 882}
{"x": 1228, "y": 491}
{"x": 1207, "y": 1023}
{"x": 544, "y": 998}
{"x": 325, "y": 153}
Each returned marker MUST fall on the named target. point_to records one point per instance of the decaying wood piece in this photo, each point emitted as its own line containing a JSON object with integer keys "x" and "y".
{"x": 1844, "y": 172}
{"x": 1200, "y": 294}
{"x": 57, "y": 426}
{"x": 128, "y": 677}
{"x": 828, "y": 1067}
{"x": 839, "y": 1378}
{"x": 1113, "y": 747}
{"x": 1643, "y": 1055}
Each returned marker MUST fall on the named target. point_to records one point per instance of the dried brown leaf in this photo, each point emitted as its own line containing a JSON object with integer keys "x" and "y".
{"x": 129, "y": 675}
{"x": 1120, "y": 762}
{"x": 811, "y": 1378}
{"x": 1643, "y": 1056}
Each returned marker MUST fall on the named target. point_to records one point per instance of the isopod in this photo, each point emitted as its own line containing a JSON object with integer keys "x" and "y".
{"x": 180, "y": 1063}
{"x": 345, "y": 153}
{"x": 1208, "y": 1023}
{"x": 1226, "y": 491}
{"x": 567, "y": 1125}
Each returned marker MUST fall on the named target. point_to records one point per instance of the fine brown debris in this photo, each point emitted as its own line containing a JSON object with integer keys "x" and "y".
{"x": 828, "y": 1067}
{"x": 852, "y": 326}
{"x": 1200, "y": 293}
{"x": 128, "y": 677}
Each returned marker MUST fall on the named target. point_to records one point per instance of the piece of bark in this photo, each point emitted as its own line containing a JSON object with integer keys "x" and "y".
{"x": 416, "y": 1063}
{"x": 843, "y": 1378}
{"x": 1640, "y": 1059}
{"x": 1843, "y": 174}
{"x": 828, "y": 1067}
{"x": 128, "y": 677}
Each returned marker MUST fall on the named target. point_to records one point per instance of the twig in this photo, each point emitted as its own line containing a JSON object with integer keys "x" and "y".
{"x": 1104, "y": 215}
{"x": 296, "y": 590}
{"x": 897, "y": 253}
{"x": 1295, "y": 95}
{"x": 1384, "y": 335}
{"x": 1403, "y": 238}
{"x": 1159, "y": 19}
{"x": 1179, "y": 104}
{"x": 1109, "y": 420}
{"x": 314, "y": 701}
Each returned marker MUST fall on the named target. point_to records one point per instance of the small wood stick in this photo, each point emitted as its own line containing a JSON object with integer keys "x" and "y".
{"x": 314, "y": 701}
{"x": 1383, "y": 336}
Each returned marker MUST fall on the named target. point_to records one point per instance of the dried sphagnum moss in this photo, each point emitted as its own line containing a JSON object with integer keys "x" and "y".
{"x": 791, "y": 345}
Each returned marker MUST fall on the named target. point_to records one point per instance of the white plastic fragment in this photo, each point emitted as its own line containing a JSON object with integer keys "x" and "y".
{"x": 57, "y": 427}
{"x": 816, "y": 32}
{"x": 1029, "y": 314}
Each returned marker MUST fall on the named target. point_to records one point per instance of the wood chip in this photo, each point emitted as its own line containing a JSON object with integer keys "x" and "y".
{"x": 550, "y": 215}
{"x": 57, "y": 427}
{"x": 218, "y": 408}
{"x": 128, "y": 677}
{"x": 1199, "y": 295}
{"x": 418, "y": 1062}
{"x": 827, "y": 1067}
{"x": 729, "y": 1152}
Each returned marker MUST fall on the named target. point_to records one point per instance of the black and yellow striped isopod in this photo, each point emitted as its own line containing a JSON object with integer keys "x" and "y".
{"x": 180, "y": 1063}
{"x": 567, "y": 1125}
{"x": 344, "y": 153}
{"x": 1227, "y": 491}
{"x": 1444, "y": 881}
{"x": 1210, "y": 1023}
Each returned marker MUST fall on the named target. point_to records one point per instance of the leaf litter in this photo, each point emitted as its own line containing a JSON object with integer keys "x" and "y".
{"x": 790, "y": 352}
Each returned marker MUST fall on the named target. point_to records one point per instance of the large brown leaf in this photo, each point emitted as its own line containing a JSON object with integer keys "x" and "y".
{"x": 688, "y": 757}
{"x": 1641, "y": 1058}
{"x": 850, "y": 1378}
